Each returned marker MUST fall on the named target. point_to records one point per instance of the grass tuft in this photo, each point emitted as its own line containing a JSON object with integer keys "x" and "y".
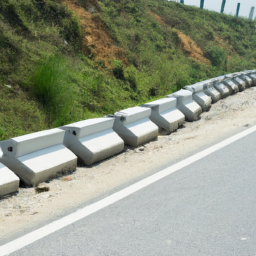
{"x": 52, "y": 87}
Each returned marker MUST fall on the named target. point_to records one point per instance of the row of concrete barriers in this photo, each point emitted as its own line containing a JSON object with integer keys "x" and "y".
{"x": 34, "y": 158}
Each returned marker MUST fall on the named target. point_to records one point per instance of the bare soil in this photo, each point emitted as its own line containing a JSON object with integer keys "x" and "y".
{"x": 96, "y": 39}
{"x": 187, "y": 45}
{"x": 27, "y": 208}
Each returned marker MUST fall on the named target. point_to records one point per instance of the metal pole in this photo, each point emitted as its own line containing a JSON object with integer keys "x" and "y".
{"x": 251, "y": 13}
{"x": 202, "y": 4}
{"x": 223, "y": 6}
{"x": 238, "y": 9}
{"x": 182, "y": 1}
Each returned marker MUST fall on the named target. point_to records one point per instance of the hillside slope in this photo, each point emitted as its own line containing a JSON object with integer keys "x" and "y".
{"x": 68, "y": 60}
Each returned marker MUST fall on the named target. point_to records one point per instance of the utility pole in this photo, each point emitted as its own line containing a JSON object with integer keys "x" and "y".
{"x": 182, "y": 1}
{"x": 202, "y": 4}
{"x": 223, "y": 6}
{"x": 237, "y": 9}
{"x": 251, "y": 13}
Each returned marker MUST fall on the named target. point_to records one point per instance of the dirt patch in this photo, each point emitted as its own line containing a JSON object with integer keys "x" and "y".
{"x": 186, "y": 43}
{"x": 28, "y": 207}
{"x": 96, "y": 40}
{"x": 191, "y": 49}
{"x": 158, "y": 19}
{"x": 224, "y": 45}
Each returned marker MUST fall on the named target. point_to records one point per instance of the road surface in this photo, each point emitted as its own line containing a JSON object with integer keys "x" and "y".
{"x": 205, "y": 208}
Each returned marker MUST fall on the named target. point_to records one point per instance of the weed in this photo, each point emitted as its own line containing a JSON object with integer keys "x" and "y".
{"x": 53, "y": 89}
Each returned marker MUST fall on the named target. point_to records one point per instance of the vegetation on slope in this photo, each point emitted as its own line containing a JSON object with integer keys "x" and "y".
{"x": 69, "y": 60}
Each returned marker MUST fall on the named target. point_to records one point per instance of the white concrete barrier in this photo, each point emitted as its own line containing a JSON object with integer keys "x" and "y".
{"x": 36, "y": 157}
{"x": 93, "y": 140}
{"x": 253, "y": 71}
{"x": 211, "y": 91}
{"x": 239, "y": 82}
{"x": 134, "y": 126}
{"x": 251, "y": 75}
{"x": 246, "y": 79}
{"x": 186, "y": 105}
{"x": 219, "y": 78}
{"x": 232, "y": 87}
{"x": 221, "y": 88}
{"x": 199, "y": 96}
{"x": 9, "y": 182}
{"x": 164, "y": 114}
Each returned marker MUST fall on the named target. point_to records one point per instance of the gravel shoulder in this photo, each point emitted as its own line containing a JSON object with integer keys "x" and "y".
{"x": 28, "y": 208}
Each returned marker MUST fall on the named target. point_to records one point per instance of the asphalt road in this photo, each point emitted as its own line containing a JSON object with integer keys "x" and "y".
{"x": 207, "y": 208}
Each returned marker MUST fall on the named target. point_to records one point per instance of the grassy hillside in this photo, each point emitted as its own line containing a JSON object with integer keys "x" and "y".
{"x": 67, "y": 60}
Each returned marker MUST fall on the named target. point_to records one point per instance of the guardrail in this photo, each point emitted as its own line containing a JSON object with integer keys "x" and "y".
{"x": 165, "y": 115}
{"x": 93, "y": 140}
{"x": 186, "y": 105}
{"x": 37, "y": 157}
{"x": 134, "y": 126}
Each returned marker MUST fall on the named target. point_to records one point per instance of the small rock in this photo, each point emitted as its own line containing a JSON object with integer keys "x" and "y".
{"x": 33, "y": 213}
{"x": 141, "y": 148}
{"x": 67, "y": 178}
{"x": 8, "y": 86}
{"x": 8, "y": 214}
{"x": 45, "y": 196}
{"x": 91, "y": 10}
{"x": 41, "y": 189}
{"x": 17, "y": 206}
{"x": 211, "y": 115}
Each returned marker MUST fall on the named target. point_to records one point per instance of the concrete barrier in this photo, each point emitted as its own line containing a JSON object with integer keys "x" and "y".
{"x": 93, "y": 140}
{"x": 36, "y": 157}
{"x": 221, "y": 88}
{"x": 164, "y": 114}
{"x": 199, "y": 96}
{"x": 186, "y": 105}
{"x": 246, "y": 79}
{"x": 9, "y": 182}
{"x": 232, "y": 87}
{"x": 251, "y": 75}
{"x": 134, "y": 126}
{"x": 219, "y": 79}
{"x": 239, "y": 82}
{"x": 253, "y": 71}
{"x": 211, "y": 91}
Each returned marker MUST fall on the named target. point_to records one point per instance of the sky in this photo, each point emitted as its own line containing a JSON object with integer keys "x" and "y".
{"x": 230, "y": 7}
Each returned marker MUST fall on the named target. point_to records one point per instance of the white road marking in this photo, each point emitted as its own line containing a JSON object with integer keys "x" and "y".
{"x": 32, "y": 237}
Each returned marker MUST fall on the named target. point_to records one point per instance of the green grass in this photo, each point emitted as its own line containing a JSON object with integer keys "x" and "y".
{"x": 53, "y": 84}
{"x": 52, "y": 88}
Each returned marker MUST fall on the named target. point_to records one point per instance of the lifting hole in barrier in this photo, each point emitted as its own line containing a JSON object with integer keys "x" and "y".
{"x": 74, "y": 133}
{"x": 122, "y": 118}
{"x": 10, "y": 149}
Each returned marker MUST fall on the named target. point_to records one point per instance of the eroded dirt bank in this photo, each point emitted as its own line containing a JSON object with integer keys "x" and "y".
{"x": 28, "y": 208}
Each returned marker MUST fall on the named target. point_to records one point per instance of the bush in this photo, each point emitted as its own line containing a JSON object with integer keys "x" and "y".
{"x": 216, "y": 55}
{"x": 52, "y": 87}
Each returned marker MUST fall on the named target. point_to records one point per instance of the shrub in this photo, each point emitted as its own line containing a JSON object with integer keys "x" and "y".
{"x": 52, "y": 87}
{"x": 216, "y": 55}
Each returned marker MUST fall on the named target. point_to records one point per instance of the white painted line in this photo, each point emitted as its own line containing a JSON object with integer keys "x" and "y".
{"x": 88, "y": 210}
